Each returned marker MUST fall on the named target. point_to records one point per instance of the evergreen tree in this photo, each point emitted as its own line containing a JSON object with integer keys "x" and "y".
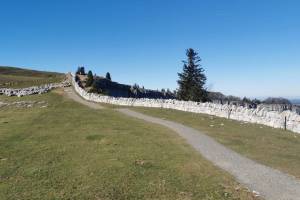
{"x": 96, "y": 87}
{"x": 76, "y": 78}
{"x": 90, "y": 79}
{"x": 246, "y": 100}
{"x": 82, "y": 70}
{"x": 134, "y": 89}
{"x": 192, "y": 80}
{"x": 256, "y": 101}
{"x": 108, "y": 76}
{"x": 78, "y": 70}
{"x": 163, "y": 91}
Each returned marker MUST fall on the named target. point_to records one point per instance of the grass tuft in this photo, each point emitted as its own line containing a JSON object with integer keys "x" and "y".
{"x": 95, "y": 137}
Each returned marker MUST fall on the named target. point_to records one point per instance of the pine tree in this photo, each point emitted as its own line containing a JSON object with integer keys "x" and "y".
{"x": 78, "y": 70}
{"x": 90, "y": 79}
{"x": 82, "y": 70}
{"x": 108, "y": 76}
{"x": 192, "y": 80}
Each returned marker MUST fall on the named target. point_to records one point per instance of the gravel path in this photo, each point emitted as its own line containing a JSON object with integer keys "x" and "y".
{"x": 270, "y": 183}
{"x": 73, "y": 95}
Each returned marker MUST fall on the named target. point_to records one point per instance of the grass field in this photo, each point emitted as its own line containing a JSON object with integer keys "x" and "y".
{"x": 12, "y": 77}
{"x": 68, "y": 151}
{"x": 273, "y": 147}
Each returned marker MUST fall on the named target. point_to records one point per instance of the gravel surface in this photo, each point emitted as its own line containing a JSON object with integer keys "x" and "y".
{"x": 265, "y": 181}
{"x": 269, "y": 183}
{"x": 73, "y": 95}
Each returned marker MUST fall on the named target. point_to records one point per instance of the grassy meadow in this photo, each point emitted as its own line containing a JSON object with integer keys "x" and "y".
{"x": 11, "y": 77}
{"x": 69, "y": 151}
{"x": 273, "y": 147}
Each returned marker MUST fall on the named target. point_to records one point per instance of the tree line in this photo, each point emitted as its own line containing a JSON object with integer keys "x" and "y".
{"x": 191, "y": 81}
{"x": 191, "y": 84}
{"x": 90, "y": 82}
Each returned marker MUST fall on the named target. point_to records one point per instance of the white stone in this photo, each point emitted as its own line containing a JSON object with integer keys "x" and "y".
{"x": 259, "y": 115}
{"x": 32, "y": 90}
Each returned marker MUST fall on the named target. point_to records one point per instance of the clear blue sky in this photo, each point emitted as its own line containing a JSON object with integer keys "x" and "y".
{"x": 248, "y": 47}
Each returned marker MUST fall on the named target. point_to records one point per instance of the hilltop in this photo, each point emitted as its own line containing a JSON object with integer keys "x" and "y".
{"x": 101, "y": 148}
{"x": 55, "y": 148}
{"x": 14, "y": 77}
{"x": 295, "y": 101}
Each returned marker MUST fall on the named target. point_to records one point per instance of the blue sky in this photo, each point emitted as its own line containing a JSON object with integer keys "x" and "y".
{"x": 248, "y": 47}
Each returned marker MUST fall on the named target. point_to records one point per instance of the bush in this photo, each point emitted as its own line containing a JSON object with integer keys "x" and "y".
{"x": 90, "y": 79}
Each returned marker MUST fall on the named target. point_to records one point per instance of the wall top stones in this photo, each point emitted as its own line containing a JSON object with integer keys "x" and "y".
{"x": 33, "y": 90}
{"x": 259, "y": 115}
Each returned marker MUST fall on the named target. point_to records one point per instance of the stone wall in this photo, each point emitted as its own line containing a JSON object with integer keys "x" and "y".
{"x": 260, "y": 115}
{"x": 33, "y": 90}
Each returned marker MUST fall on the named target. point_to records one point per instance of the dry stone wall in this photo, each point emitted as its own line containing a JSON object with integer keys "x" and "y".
{"x": 260, "y": 115}
{"x": 33, "y": 90}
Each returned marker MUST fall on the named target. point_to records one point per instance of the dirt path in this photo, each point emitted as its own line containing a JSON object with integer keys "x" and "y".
{"x": 270, "y": 183}
{"x": 73, "y": 95}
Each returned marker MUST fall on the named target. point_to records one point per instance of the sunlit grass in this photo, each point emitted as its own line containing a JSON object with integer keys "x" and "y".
{"x": 21, "y": 78}
{"x": 68, "y": 151}
{"x": 273, "y": 147}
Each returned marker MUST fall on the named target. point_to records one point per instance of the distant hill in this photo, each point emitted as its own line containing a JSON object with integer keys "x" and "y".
{"x": 295, "y": 101}
{"x": 277, "y": 100}
{"x": 13, "y": 77}
{"x": 105, "y": 86}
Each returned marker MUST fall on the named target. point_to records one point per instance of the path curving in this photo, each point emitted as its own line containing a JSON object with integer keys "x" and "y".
{"x": 270, "y": 183}
{"x": 73, "y": 95}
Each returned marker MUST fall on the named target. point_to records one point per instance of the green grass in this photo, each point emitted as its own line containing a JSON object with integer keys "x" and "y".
{"x": 68, "y": 151}
{"x": 12, "y": 77}
{"x": 273, "y": 147}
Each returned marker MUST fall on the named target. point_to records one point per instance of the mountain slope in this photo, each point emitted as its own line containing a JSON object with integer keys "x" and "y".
{"x": 13, "y": 77}
{"x": 295, "y": 101}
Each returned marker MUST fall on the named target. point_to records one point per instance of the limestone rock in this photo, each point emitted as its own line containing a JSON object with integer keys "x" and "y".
{"x": 33, "y": 90}
{"x": 259, "y": 115}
